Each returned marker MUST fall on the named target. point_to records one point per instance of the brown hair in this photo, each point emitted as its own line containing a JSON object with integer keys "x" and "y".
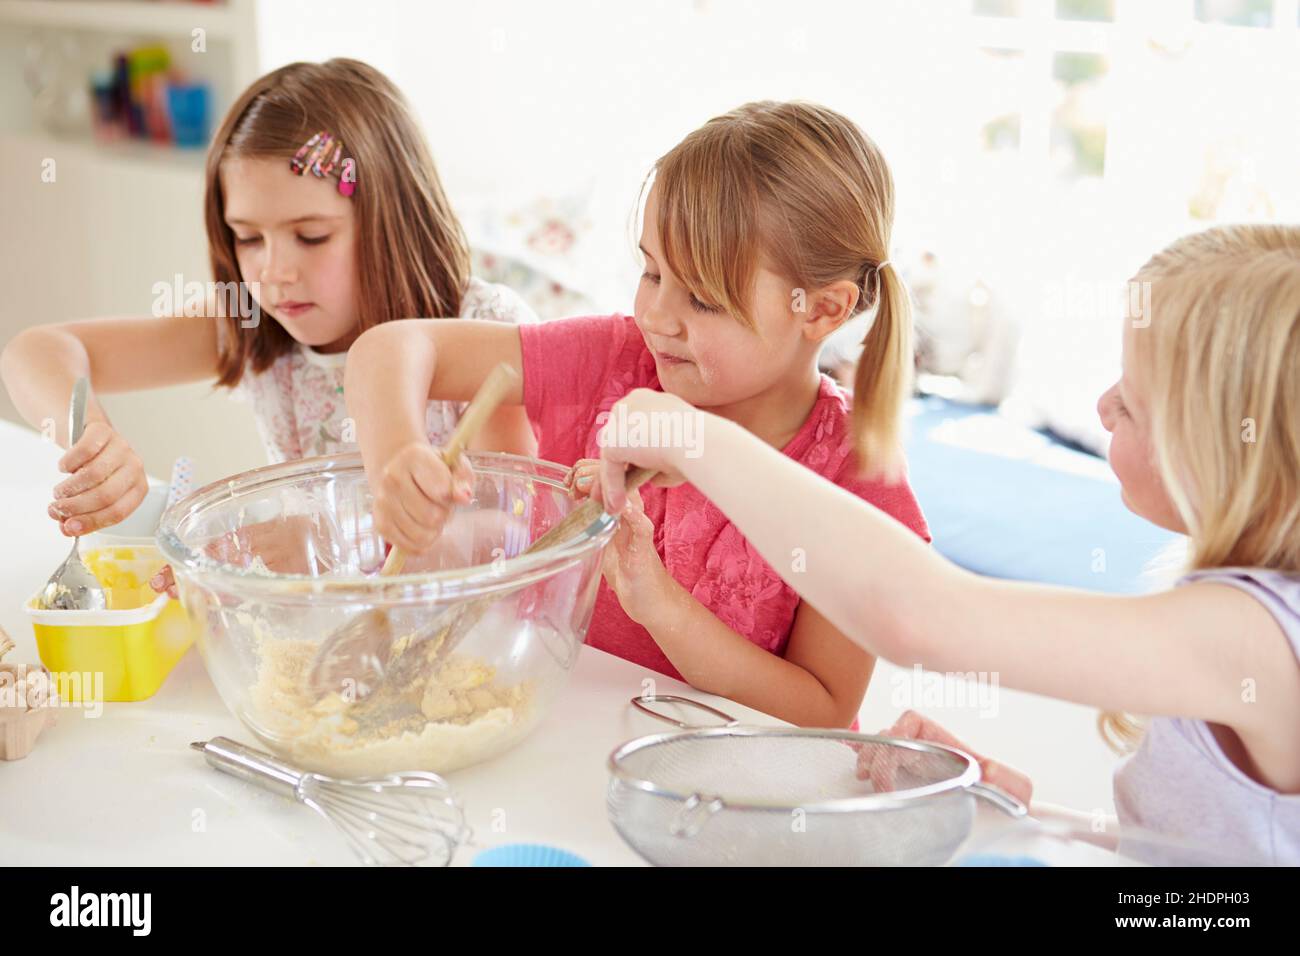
{"x": 413, "y": 257}
{"x": 803, "y": 186}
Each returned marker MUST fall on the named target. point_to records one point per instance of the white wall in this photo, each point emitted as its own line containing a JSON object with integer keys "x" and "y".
{"x": 577, "y": 99}
{"x": 94, "y": 242}
{"x": 572, "y": 101}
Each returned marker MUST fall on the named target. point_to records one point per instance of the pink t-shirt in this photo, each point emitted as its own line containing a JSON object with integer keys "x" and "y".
{"x": 574, "y": 372}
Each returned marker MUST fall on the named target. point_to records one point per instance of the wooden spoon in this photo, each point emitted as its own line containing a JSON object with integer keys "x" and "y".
{"x": 359, "y": 649}
{"x": 402, "y": 687}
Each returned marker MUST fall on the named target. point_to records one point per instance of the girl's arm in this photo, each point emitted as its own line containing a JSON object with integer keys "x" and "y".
{"x": 39, "y": 366}
{"x": 393, "y": 369}
{"x": 508, "y": 429}
{"x": 1184, "y": 652}
{"x": 41, "y": 363}
{"x": 819, "y": 682}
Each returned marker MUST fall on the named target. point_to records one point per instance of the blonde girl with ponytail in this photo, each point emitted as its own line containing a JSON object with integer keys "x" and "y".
{"x": 1205, "y": 426}
{"x": 762, "y": 232}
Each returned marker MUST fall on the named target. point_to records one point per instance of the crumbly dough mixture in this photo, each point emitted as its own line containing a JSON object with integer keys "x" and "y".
{"x": 463, "y": 714}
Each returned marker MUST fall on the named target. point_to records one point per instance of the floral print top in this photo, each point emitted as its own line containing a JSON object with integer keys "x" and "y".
{"x": 298, "y": 401}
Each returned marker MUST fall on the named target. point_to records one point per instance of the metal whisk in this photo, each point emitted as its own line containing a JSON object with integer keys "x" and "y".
{"x": 401, "y": 819}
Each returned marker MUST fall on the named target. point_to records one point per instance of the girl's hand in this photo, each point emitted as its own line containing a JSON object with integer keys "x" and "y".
{"x": 879, "y": 765}
{"x": 290, "y": 544}
{"x": 583, "y": 478}
{"x": 164, "y": 580}
{"x": 415, "y": 492}
{"x": 106, "y": 482}
{"x": 619, "y": 450}
{"x": 630, "y": 563}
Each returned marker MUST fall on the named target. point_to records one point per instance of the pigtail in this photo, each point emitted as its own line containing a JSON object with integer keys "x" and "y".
{"x": 883, "y": 380}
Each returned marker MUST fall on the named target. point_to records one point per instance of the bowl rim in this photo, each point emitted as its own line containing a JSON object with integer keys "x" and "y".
{"x": 620, "y": 773}
{"x": 415, "y": 587}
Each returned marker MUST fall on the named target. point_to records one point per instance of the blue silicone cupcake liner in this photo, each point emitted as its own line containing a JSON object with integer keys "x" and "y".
{"x": 527, "y": 854}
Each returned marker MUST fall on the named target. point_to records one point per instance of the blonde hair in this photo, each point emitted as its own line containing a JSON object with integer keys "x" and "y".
{"x": 803, "y": 186}
{"x": 1219, "y": 367}
{"x": 412, "y": 254}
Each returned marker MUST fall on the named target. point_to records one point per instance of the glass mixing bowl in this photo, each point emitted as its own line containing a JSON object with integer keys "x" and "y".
{"x": 271, "y": 562}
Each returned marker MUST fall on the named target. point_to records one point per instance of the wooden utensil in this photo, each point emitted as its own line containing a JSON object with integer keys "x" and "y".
{"x": 359, "y": 650}
{"x": 402, "y": 687}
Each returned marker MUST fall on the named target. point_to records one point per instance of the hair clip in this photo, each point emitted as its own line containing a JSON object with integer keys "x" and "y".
{"x": 871, "y": 280}
{"x": 315, "y": 155}
{"x": 322, "y": 149}
{"x": 296, "y": 164}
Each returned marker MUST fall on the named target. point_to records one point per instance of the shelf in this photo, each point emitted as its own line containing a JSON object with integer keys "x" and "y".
{"x": 128, "y": 152}
{"x": 163, "y": 18}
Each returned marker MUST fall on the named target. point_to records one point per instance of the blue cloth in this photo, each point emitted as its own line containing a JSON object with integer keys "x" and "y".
{"x": 1008, "y": 502}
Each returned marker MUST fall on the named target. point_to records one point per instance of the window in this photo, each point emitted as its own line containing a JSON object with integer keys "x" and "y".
{"x": 1078, "y": 137}
{"x": 1237, "y": 13}
{"x": 1079, "y": 67}
{"x": 1085, "y": 9}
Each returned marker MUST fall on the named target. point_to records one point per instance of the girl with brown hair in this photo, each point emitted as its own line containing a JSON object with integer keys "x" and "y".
{"x": 323, "y": 200}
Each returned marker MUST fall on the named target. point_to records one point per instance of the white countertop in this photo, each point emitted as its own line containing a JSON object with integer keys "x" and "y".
{"x": 126, "y": 789}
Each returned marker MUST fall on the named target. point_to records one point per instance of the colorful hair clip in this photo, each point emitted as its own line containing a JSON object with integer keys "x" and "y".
{"x": 315, "y": 154}
{"x": 296, "y": 164}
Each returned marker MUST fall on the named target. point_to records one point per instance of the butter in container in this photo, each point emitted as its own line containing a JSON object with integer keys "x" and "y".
{"x": 127, "y": 649}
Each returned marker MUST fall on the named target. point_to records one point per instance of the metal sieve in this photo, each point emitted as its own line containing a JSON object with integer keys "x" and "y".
{"x": 786, "y": 796}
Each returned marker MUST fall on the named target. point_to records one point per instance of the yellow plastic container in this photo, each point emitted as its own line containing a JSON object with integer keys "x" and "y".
{"x": 134, "y": 644}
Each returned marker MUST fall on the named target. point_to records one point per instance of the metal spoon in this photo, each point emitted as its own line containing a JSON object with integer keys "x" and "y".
{"x": 73, "y": 587}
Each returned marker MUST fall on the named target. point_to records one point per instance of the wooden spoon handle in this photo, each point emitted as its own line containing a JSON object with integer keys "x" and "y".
{"x": 585, "y": 514}
{"x": 485, "y": 401}
{"x": 450, "y": 627}
{"x": 468, "y": 613}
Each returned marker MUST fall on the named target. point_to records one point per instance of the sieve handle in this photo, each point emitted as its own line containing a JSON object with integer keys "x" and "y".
{"x": 641, "y": 703}
{"x": 1000, "y": 799}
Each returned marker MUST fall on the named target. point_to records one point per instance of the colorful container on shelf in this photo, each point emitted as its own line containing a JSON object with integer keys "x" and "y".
{"x": 134, "y": 644}
{"x": 144, "y": 96}
{"x": 188, "y": 107}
